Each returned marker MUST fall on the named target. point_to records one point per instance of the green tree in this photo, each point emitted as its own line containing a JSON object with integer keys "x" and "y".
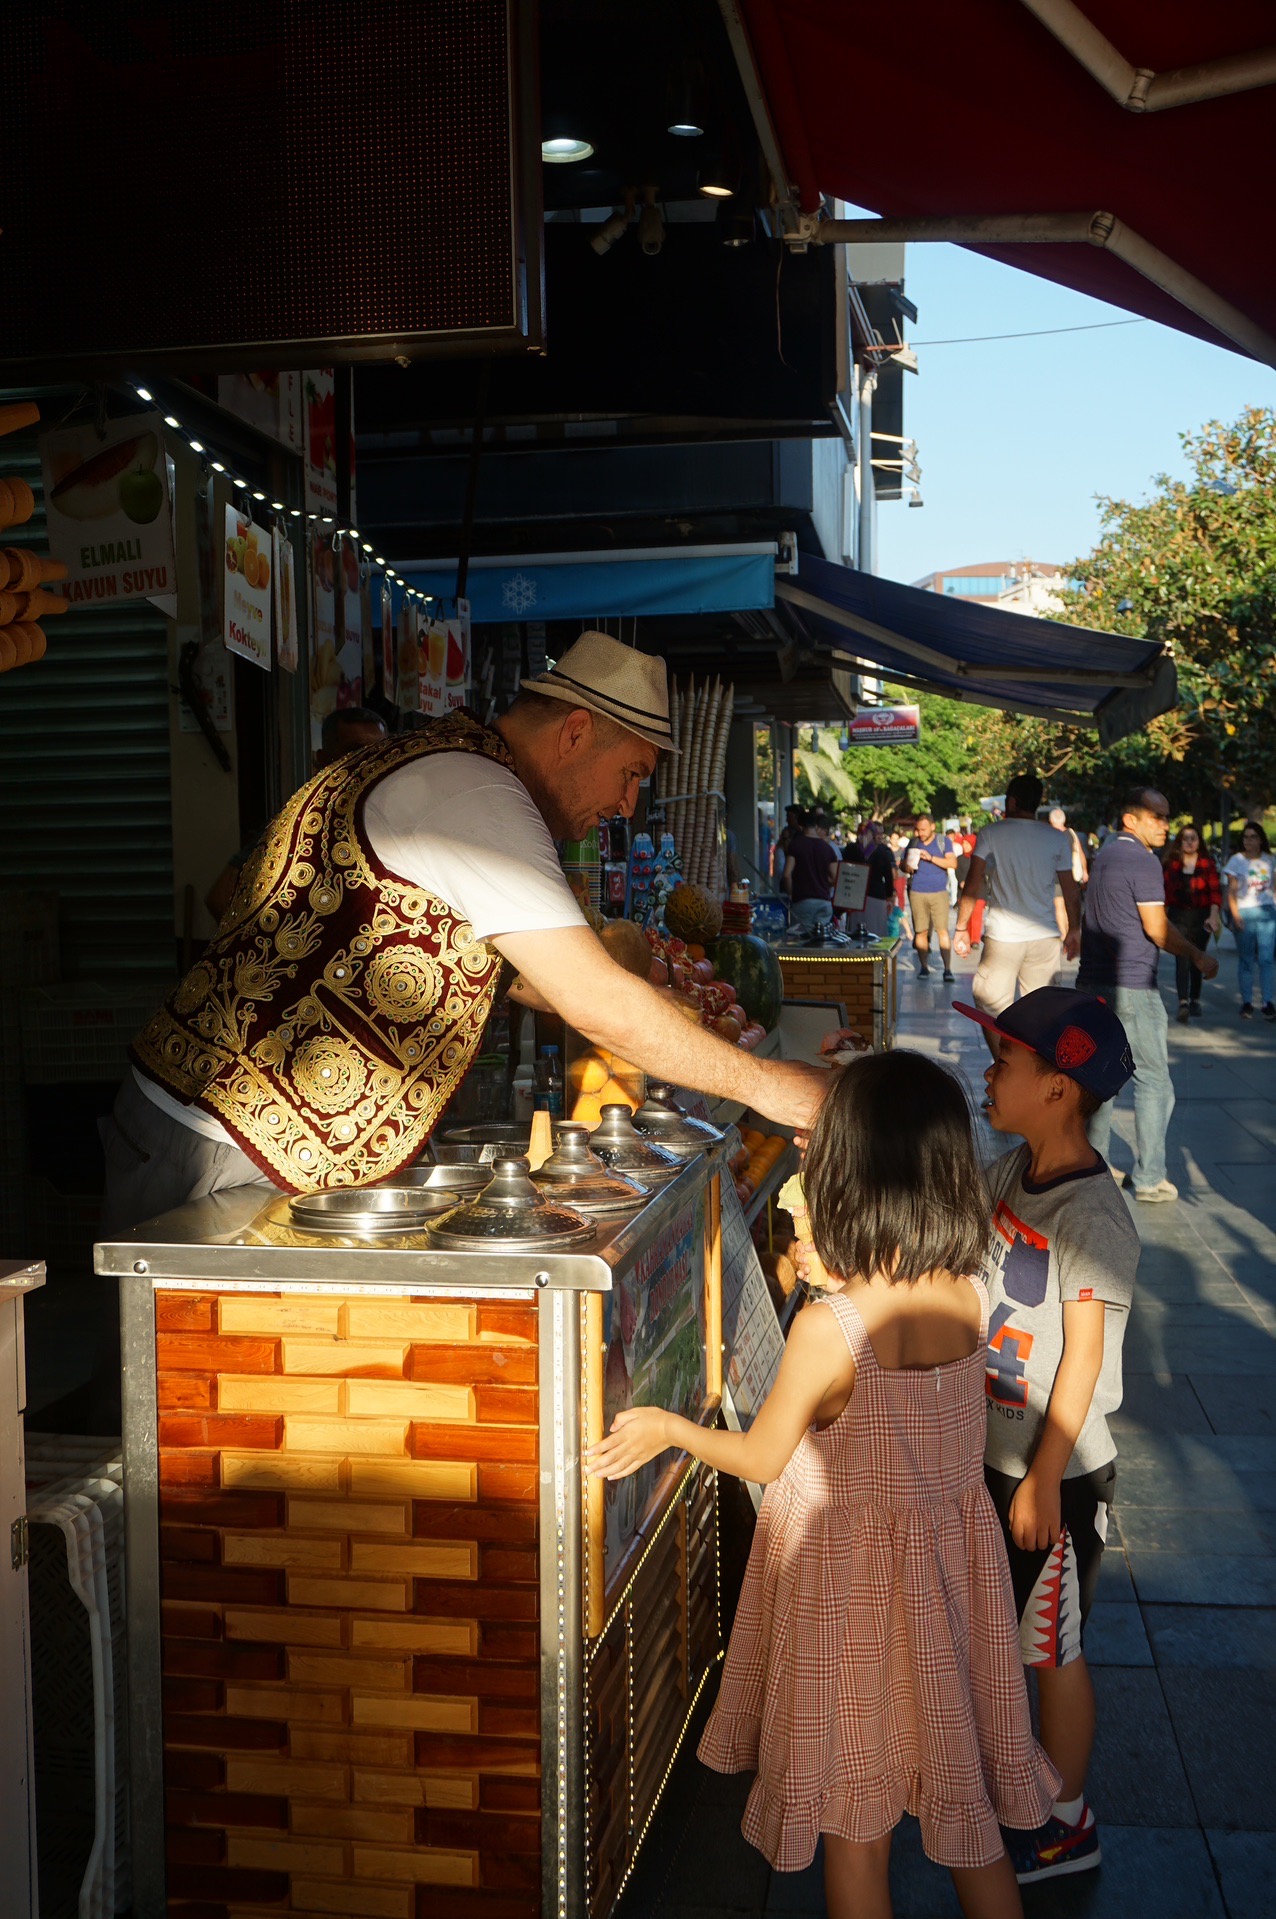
{"x": 944, "y": 773}
{"x": 1193, "y": 566}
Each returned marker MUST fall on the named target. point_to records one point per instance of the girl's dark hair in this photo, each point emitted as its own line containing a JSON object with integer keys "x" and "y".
{"x": 1252, "y": 826}
{"x": 892, "y": 1182}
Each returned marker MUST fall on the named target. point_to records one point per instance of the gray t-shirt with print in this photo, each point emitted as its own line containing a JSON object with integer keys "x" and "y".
{"x": 1069, "y": 1239}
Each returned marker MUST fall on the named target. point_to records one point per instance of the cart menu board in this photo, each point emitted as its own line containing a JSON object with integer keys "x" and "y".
{"x": 654, "y": 1336}
{"x": 753, "y": 1344}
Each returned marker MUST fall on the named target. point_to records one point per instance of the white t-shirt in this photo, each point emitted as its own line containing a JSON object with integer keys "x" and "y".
{"x": 1024, "y": 859}
{"x": 1254, "y": 877}
{"x": 465, "y": 830}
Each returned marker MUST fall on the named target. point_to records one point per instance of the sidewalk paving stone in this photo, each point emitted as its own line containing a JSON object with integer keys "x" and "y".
{"x": 1182, "y": 1637}
{"x": 1212, "y": 1636}
{"x": 1246, "y": 1863}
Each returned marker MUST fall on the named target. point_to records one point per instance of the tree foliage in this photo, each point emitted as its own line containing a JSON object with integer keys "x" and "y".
{"x": 1193, "y": 566}
{"x": 942, "y": 774}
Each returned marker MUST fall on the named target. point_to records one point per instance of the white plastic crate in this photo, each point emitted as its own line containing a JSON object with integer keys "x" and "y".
{"x": 82, "y": 1031}
{"x": 75, "y": 1512}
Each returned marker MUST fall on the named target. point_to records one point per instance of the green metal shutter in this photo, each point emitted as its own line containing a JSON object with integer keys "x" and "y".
{"x": 85, "y": 800}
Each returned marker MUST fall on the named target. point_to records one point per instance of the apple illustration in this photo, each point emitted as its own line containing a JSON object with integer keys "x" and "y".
{"x": 141, "y": 496}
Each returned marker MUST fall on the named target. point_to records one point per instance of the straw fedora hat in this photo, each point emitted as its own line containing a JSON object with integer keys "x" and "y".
{"x": 628, "y": 686}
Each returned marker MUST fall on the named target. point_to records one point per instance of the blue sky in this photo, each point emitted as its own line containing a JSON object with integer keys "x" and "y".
{"x": 1017, "y": 437}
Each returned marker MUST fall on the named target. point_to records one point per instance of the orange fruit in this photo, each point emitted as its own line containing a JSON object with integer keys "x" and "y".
{"x": 263, "y": 570}
{"x": 250, "y": 567}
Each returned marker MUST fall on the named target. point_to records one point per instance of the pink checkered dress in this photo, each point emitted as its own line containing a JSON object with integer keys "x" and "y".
{"x": 874, "y": 1668}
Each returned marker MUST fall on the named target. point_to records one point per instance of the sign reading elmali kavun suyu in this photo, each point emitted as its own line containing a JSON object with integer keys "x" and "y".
{"x": 886, "y": 726}
{"x": 110, "y": 517}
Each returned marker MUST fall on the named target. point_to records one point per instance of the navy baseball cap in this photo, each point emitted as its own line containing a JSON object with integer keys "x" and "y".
{"x": 1076, "y": 1033}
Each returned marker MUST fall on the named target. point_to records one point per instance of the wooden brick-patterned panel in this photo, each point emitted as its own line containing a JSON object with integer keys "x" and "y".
{"x": 349, "y": 1575}
{"x": 865, "y": 987}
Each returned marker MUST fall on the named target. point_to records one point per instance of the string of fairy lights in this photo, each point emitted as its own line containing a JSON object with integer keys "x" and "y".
{"x": 314, "y": 521}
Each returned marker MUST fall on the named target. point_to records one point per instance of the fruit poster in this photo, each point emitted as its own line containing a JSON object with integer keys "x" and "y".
{"x": 388, "y": 651}
{"x": 246, "y": 589}
{"x": 110, "y": 517}
{"x": 458, "y": 656}
{"x": 350, "y": 658}
{"x": 433, "y": 640}
{"x": 368, "y": 631}
{"x": 320, "y": 428}
{"x": 285, "y": 601}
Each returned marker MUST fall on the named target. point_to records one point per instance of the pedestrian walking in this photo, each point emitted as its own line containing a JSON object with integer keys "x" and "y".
{"x": 874, "y": 1666}
{"x": 1253, "y": 915}
{"x": 1080, "y": 865}
{"x": 1125, "y": 929}
{"x": 809, "y": 866}
{"x": 1194, "y": 904}
{"x": 930, "y": 858}
{"x": 1022, "y": 860}
{"x": 870, "y": 848}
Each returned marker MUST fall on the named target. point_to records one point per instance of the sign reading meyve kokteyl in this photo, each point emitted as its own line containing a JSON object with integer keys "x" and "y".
{"x": 110, "y": 517}
{"x": 886, "y": 726}
{"x": 246, "y": 589}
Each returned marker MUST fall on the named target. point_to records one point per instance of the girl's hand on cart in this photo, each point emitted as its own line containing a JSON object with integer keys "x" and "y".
{"x": 635, "y": 1437}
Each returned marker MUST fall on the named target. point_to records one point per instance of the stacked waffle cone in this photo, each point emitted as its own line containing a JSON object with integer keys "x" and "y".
{"x": 24, "y": 575}
{"x": 700, "y": 719}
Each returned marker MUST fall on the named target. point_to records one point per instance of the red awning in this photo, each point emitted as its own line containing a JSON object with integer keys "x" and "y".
{"x": 976, "y": 109}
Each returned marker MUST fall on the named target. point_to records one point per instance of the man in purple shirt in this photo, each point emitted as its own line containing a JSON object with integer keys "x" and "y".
{"x": 808, "y": 876}
{"x": 1123, "y": 935}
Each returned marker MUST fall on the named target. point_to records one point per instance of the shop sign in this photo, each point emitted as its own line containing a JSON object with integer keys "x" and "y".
{"x": 246, "y": 589}
{"x": 319, "y": 430}
{"x": 270, "y": 401}
{"x": 108, "y": 500}
{"x": 285, "y": 601}
{"x": 886, "y": 726}
{"x": 752, "y": 1342}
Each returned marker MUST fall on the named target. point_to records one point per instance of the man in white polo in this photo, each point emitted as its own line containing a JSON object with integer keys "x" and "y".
{"x": 1022, "y": 859}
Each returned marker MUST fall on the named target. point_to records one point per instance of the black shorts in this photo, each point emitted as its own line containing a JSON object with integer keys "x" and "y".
{"x": 1054, "y": 1589}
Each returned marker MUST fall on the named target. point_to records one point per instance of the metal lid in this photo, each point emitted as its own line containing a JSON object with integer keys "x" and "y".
{"x": 663, "y": 1120}
{"x": 509, "y": 1215}
{"x": 447, "y": 1182}
{"x": 366, "y": 1209}
{"x": 501, "y": 1139}
{"x": 579, "y": 1178}
{"x": 622, "y": 1150}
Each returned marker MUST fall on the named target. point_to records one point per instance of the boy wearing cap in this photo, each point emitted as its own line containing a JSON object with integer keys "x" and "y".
{"x": 1060, "y": 1279}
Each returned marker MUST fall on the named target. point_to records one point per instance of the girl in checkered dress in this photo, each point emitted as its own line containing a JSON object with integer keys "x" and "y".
{"x": 874, "y": 1667}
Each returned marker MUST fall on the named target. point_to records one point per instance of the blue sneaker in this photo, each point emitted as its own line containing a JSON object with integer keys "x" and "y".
{"x": 1054, "y": 1849}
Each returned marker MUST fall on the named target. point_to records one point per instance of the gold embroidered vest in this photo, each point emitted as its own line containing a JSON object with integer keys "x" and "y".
{"x": 338, "y": 1006}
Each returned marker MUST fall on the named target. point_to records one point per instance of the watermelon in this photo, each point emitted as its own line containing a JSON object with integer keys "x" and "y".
{"x": 749, "y": 965}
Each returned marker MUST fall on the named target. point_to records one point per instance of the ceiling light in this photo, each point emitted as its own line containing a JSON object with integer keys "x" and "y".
{"x": 716, "y": 181}
{"x": 686, "y": 130}
{"x": 736, "y": 225}
{"x": 564, "y": 149}
{"x": 141, "y": 393}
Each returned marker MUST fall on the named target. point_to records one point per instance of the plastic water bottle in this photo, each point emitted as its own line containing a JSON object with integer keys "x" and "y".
{"x": 551, "y": 1080}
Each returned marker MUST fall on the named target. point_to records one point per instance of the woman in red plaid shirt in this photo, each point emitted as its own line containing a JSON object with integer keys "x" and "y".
{"x": 1193, "y": 903}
